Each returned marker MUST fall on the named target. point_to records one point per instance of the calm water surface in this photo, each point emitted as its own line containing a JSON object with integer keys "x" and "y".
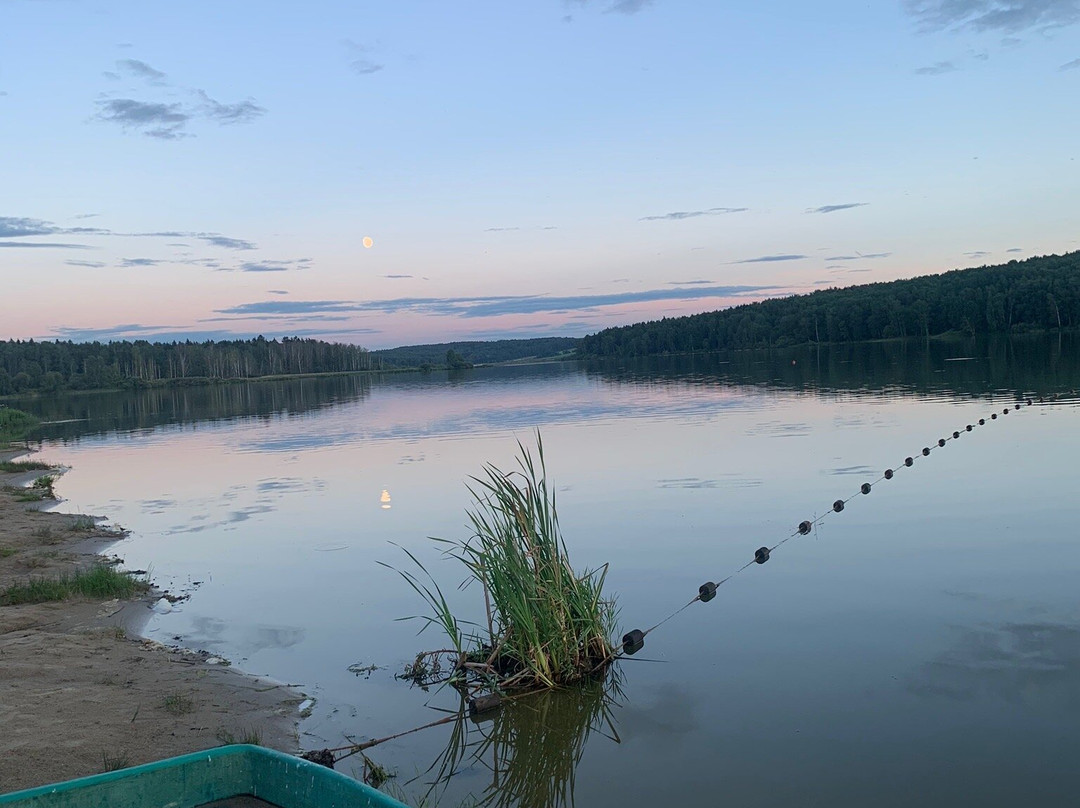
{"x": 922, "y": 647}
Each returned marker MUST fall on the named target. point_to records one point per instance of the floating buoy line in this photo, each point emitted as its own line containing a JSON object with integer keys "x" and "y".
{"x": 634, "y": 640}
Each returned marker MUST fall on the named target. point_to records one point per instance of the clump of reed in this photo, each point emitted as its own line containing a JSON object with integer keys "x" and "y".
{"x": 546, "y": 625}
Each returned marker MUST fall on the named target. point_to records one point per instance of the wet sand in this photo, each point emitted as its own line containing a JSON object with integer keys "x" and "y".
{"x": 81, "y": 692}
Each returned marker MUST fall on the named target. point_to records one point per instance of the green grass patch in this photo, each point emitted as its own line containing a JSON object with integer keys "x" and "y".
{"x": 15, "y": 424}
{"x": 178, "y": 703}
{"x": 546, "y": 625}
{"x": 245, "y": 735}
{"x": 112, "y": 763}
{"x": 98, "y": 582}
{"x": 41, "y": 488}
{"x": 18, "y": 466}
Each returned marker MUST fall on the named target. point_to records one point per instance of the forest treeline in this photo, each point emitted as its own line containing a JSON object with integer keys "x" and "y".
{"x": 49, "y": 366}
{"x": 45, "y": 366}
{"x": 476, "y": 352}
{"x": 1035, "y": 294}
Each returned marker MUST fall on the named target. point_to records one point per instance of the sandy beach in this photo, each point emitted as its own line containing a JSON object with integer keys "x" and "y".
{"x": 81, "y": 692}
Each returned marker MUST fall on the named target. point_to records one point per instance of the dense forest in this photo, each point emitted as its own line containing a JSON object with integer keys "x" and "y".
{"x": 44, "y": 366}
{"x": 476, "y": 353}
{"x": 27, "y": 366}
{"x": 1036, "y": 294}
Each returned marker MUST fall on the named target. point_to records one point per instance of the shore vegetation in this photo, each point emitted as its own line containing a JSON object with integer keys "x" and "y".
{"x": 15, "y": 425}
{"x": 19, "y": 466}
{"x": 98, "y": 582}
{"x": 545, "y": 625}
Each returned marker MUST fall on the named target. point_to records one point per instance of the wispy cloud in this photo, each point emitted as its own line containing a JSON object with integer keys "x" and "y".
{"x": 834, "y": 208}
{"x": 168, "y": 120}
{"x": 858, "y": 256}
{"x": 689, "y": 283}
{"x": 268, "y": 265}
{"x": 283, "y": 318}
{"x": 228, "y": 243}
{"x": 292, "y": 307}
{"x": 936, "y": 69}
{"x": 360, "y": 61}
{"x": 169, "y": 333}
{"x": 1014, "y": 250}
{"x": 500, "y": 229}
{"x": 277, "y": 292}
{"x": 14, "y": 226}
{"x": 1075, "y": 63}
{"x": 690, "y": 214}
{"x": 93, "y": 264}
{"x": 141, "y": 262}
{"x": 492, "y": 306}
{"x": 134, "y": 67}
{"x": 364, "y": 67}
{"x": 768, "y": 259}
{"x": 43, "y": 245}
{"x": 397, "y": 277}
{"x": 1008, "y": 16}
{"x": 976, "y": 254}
{"x": 154, "y": 119}
{"x": 628, "y": 6}
{"x": 240, "y": 112}
{"x": 23, "y": 226}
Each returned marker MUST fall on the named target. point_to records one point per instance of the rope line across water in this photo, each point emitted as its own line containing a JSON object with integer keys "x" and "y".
{"x": 634, "y": 640}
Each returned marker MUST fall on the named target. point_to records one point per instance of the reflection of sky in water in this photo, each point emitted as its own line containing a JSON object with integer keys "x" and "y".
{"x": 919, "y": 648}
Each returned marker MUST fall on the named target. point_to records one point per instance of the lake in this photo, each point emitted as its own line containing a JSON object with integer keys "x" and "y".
{"x": 920, "y": 647}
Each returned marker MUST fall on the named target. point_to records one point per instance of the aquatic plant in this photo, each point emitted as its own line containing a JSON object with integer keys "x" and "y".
{"x": 546, "y": 625}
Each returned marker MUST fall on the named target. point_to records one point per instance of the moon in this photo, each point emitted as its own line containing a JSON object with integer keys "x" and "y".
{"x": 368, "y": 242}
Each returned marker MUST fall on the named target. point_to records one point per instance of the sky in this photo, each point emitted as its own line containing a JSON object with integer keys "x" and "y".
{"x": 539, "y": 168}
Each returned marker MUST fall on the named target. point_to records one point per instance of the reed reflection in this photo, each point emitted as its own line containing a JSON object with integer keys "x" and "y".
{"x": 530, "y": 747}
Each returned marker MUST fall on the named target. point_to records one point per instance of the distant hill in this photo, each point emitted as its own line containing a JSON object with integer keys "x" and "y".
{"x": 1036, "y": 294}
{"x": 476, "y": 353}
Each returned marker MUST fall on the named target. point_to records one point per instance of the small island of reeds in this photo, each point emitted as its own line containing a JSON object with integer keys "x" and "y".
{"x": 547, "y": 626}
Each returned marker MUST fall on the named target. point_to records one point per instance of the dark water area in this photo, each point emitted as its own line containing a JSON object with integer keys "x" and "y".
{"x": 921, "y": 646}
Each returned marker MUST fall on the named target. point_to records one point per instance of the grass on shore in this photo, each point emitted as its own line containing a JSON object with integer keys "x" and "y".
{"x": 40, "y": 489}
{"x": 15, "y": 424}
{"x": 112, "y": 763}
{"x": 99, "y": 582}
{"x": 248, "y": 735}
{"x": 177, "y": 703}
{"x": 17, "y": 466}
{"x": 547, "y": 626}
